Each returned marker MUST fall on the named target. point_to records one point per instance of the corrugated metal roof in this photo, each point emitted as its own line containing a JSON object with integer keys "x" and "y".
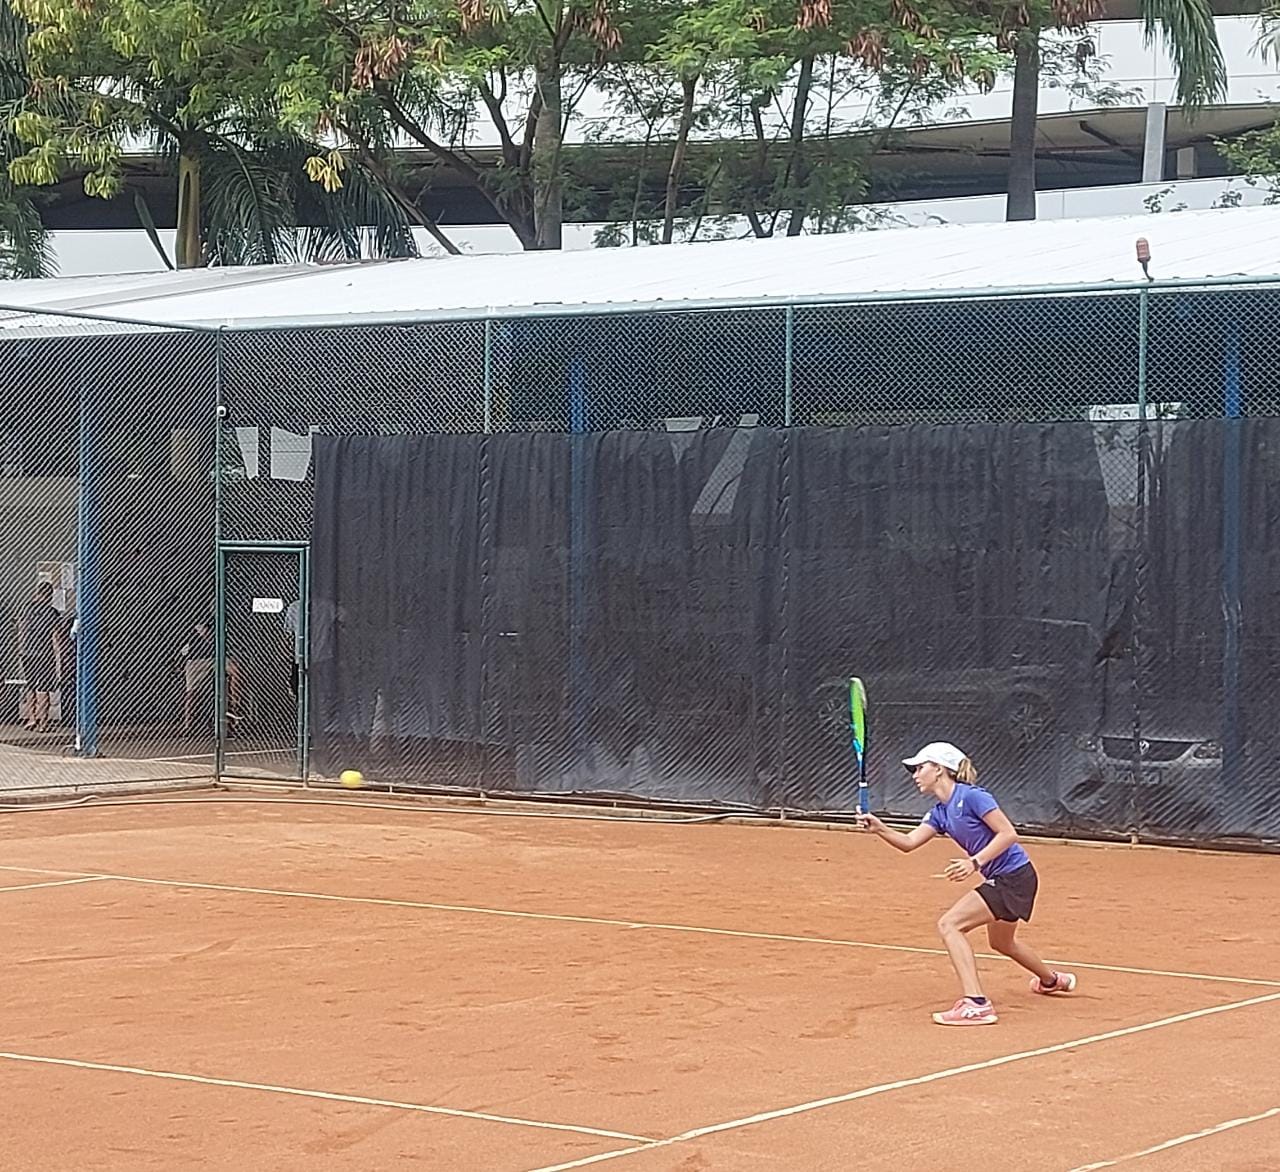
{"x": 1047, "y": 255}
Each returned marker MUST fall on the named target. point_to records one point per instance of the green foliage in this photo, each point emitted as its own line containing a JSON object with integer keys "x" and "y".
{"x": 25, "y": 250}
{"x": 763, "y": 112}
{"x": 220, "y": 83}
{"x": 1187, "y": 29}
{"x": 787, "y": 115}
{"x": 1269, "y": 30}
{"x": 1256, "y": 156}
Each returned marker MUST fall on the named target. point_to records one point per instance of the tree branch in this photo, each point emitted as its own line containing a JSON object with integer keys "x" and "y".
{"x": 493, "y": 103}
{"x": 883, "y": 138}
{"x": 393, "y": 186}
{"x": 467, "y": 169}
{"x": 552, "y": 28}
{"x": 796, "y": 168}
{"x": 706, "y": 201}
{"x": 569, "y": 108}
{"x": 689, "y": 88}
{"x": 641, "y": 171}
{"x": 530, "y": 128}
{"x": 561, "y": 41}
{"x": 762, "y": 154}
{"x": 462, "y": 165}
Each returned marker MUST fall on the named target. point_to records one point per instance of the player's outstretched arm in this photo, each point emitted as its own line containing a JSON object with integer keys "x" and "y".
{"x": 895, "y": 838}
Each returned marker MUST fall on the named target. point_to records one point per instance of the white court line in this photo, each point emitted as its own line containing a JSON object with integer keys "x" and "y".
{"x": 54, "y": 883}
{"x": 1182, "y": 1139}
{"x": 329, "y": 1096}
{"x": 197, "y": 758}
{"x": 470, "y": 909}
{"x": 920, "y": 1080}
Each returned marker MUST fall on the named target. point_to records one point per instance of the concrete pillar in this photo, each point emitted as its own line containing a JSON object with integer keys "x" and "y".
{"x": 1153, "y": 143}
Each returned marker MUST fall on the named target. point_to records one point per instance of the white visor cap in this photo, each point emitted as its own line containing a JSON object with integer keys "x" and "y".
{"x": 939, "y": 753}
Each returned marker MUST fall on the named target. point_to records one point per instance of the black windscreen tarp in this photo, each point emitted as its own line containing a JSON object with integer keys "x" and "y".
{"x": 675, "y": 616}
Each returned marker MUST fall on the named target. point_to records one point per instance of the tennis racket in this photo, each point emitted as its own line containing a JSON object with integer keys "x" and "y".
{"x": 858, "y": 733}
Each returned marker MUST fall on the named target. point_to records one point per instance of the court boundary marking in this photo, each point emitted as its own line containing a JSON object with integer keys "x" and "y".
{"x": 53, "y": 883}
{"x": 200, "y": 758}
{"x": 328, "y": 1096}
{"x": 734, "y": 933}
{"x": 902, "y": 1084}
{"x": 1178, "y": 1141}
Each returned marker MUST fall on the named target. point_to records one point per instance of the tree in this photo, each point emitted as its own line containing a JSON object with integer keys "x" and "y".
{"x": 1186, "y": 27}
{"x": 1269, "y": 35}
{"x": 1256, "y": 155}
{"x": 789, "y": 103}
{"x": 521, "y": 66}
{"x": 25, "y": 250}
{"x": 519, "y": 70}
{"x": 196, "y": 84}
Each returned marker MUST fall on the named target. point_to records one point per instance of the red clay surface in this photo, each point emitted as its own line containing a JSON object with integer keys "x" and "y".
{"x": 208, "y": 954}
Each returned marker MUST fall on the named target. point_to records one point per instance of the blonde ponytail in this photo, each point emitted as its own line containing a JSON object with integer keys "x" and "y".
{"x": 966, "y": 773}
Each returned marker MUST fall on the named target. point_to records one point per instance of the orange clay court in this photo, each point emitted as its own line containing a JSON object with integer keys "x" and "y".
{"x": 377, "y": 983}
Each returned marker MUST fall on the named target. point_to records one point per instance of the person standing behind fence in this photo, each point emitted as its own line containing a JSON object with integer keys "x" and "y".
{"x": 198, "y": 656}
{"x": 40, "y": 648}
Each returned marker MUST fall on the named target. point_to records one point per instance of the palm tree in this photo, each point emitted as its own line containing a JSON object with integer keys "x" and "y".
{"x": 1269, "y": 38}
{"x": 246, "y": 196}
{"x": 1187, "y": 29}
{"x": 249, "y": 192}
{"x": 25, "y": 250}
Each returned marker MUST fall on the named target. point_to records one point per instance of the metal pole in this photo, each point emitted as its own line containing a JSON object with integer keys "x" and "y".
{"x": 219, "y": 570}
{"x": 1139, "y": 559}
{"x": 1144, "y": 331}
{"x": 1232, "y": 440}
{"x": 302, "y": 656}
{"x": 788, "y": 374}
{"x": 88, "y": 615}
{"x": 578, "y": 505}
{"x": 488, "y": 375}
{"x": 220, "y": 666}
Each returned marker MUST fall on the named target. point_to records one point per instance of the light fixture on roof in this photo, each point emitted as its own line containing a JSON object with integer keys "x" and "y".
{"x": 1144, "y": 257}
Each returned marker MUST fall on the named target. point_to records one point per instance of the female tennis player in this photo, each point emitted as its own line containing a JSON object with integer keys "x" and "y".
{"x": 970, "y": 816}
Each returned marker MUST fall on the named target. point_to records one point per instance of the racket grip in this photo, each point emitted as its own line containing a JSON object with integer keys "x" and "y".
{"x": 864, "y": 798}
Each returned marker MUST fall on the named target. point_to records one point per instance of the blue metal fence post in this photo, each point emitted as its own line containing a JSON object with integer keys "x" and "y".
{"x": 1233, "y": 409}
{"x": 89, "y": 576}
{"x": 579, "y": 412}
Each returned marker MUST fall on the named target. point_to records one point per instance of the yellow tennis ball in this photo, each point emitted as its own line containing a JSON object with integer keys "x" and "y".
{"x": 351, "y": 778}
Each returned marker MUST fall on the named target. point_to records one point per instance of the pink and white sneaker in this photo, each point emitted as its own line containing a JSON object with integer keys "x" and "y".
{"x": 1066, "y": 983}
{"x": 967, "y": 1012}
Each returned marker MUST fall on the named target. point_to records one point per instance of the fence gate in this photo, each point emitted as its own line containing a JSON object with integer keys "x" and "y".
{"x": 261, "y": 638}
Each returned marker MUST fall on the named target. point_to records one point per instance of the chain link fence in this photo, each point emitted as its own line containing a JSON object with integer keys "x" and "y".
{"x": 639, "y": 554}
{"x": 107, "y": 522}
